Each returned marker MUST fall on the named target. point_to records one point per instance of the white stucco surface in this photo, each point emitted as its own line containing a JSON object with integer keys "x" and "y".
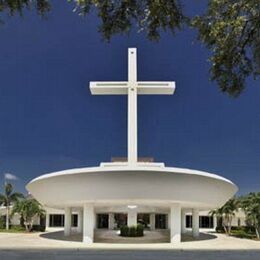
{"x": 136, "y": 184}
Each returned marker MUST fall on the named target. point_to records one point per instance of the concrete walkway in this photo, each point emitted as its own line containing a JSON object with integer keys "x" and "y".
{"x": 56, "y": 240}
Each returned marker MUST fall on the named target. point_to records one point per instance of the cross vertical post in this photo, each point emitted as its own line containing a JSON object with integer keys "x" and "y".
{"x": 132, "y": 88}
{"x": 132, "y": 106}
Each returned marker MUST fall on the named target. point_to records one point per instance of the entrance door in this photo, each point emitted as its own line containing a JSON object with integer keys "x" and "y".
{"x": 160, "y": 221}
{"x": 102, "y": 220}
{"x": 143, "y": 219}
{"x": 74, "y": 220}
{"x": 120, "y": 219}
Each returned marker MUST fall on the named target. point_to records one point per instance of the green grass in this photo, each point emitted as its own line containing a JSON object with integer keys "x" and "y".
{"x": 243, "y": 234}
{"x": 14, "y": 229}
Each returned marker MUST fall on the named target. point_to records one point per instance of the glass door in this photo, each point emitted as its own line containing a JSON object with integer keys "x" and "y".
{"x": 120, "y": 219}
{"x": 102, "y": 221}
{"x": 160, "y": 221}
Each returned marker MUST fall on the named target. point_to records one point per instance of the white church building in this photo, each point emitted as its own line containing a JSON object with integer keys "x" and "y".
{"x": 131, "y": 191}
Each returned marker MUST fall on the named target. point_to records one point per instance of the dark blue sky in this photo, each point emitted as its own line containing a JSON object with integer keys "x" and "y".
{"x": 49, "y": 121}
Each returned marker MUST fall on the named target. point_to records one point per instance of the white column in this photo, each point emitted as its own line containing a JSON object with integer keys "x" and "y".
{"x": 175, "y": 223}
{"x": 67, "y": 221}
{"x": 132, "y": 217}
{"x": 80, "y": 222}
{"x": 215, "y": 223}
{"x": 111, "y": 221}
{"x": 88, "y": 223}
{"x": 132, "y": 106}
{"x": 47, "y": 221}
{"x": 195, "y": 223}
{"x": 183, "y": 221}
{"x": 152, "y": 221}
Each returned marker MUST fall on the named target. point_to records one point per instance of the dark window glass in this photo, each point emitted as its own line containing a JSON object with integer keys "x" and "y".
{"x": 143, "y": 219}
{"x": 102, "y": 220}
{"x": 160, "y": 221}
{"x": 120, "y": 219}
{"x": 188, "y": 221}
{"x": 206, "y": 222}
{"x": 56, "y": 220}
{"x": 74, "y": 220}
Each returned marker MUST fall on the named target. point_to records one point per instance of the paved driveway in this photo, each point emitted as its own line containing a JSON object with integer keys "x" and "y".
{"x": 132, "y": 255}
{"x": 55, "y": 246}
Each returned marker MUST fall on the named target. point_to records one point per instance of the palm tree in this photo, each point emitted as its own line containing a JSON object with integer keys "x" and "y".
{"x": 229, "y": 210}
{"x": 226, "y": 213}
{"x": 8, "y": 198}
{"x": 251, "y": 206}
{"x": 28, "y": 209}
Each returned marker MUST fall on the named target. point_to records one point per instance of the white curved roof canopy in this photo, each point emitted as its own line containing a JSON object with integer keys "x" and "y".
{"x": 147, "y": 185}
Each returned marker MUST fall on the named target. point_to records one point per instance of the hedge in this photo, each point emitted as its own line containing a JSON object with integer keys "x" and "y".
{"x": 133, "y": 231}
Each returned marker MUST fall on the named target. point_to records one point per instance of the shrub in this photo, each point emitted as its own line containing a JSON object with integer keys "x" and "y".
{"x": 124, "y": 231}
{"x": 133, "y": 231}
{"x": 220, "y": 229}
{"x": 249, "y": 229}
{"x": 140, "y": 230}
{"x": 2, "y": 223}
{"x": 38, "y": 228}
{"x": 242, "y": 234}
{"x": 17, "y": 228}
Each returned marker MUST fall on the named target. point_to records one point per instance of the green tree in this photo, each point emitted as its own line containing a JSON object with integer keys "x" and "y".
{"x": 251, "y": 206}
{"x": 8, "y": 198}
{"x": 226, "y": 213}
{"x": 116, "y": 16}
{"x": 12, "y": 7}
{"x": 28, "y": 209}
{"x": 230, "y": 29}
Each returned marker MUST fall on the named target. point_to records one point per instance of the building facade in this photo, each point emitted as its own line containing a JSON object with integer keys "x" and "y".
{"x": 108, "y": 220}
{"x": 119, "y": 193}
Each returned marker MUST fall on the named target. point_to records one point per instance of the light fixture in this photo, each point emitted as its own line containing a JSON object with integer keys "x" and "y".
{"x": 132, "y": 206}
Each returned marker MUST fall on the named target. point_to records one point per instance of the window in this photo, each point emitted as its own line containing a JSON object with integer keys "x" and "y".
{"x": 188, "y": 221}
{"x": 143, "y": 219}
{"x": 120, "y": 219}
{"x": 74, "y": 220}
{"x": 102, "y": 220}
{"x": 160, "y": 221}
{"x": 56, "y": 220}
{"x": 204, "y": 221}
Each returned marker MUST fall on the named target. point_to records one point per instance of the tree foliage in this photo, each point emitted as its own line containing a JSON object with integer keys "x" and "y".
{"x": 229, "y": 28}
{"x": 251, "y": 206}
{"x": 8, "y": 198}
{"x": 226, "y": 213}
{"x": 121, "y": 16}
{"x": 28, "y": 209}
{"x": 18, "y": 6}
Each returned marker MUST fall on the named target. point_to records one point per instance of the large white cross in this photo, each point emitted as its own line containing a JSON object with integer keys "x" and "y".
{"x": 132, "y": 88}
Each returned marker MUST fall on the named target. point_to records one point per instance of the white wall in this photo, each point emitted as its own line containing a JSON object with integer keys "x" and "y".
{"x": 15, "y": 220}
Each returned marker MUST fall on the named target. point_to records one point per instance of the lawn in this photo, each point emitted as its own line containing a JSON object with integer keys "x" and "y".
{"x": 14, "y": 229}
{"x": 243, "y": 234}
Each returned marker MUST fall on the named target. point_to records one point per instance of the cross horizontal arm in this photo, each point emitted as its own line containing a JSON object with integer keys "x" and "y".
{"x": 155, "y": 88}
{"x": 143, "y": 88}
{"x": 109, "y": 88}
